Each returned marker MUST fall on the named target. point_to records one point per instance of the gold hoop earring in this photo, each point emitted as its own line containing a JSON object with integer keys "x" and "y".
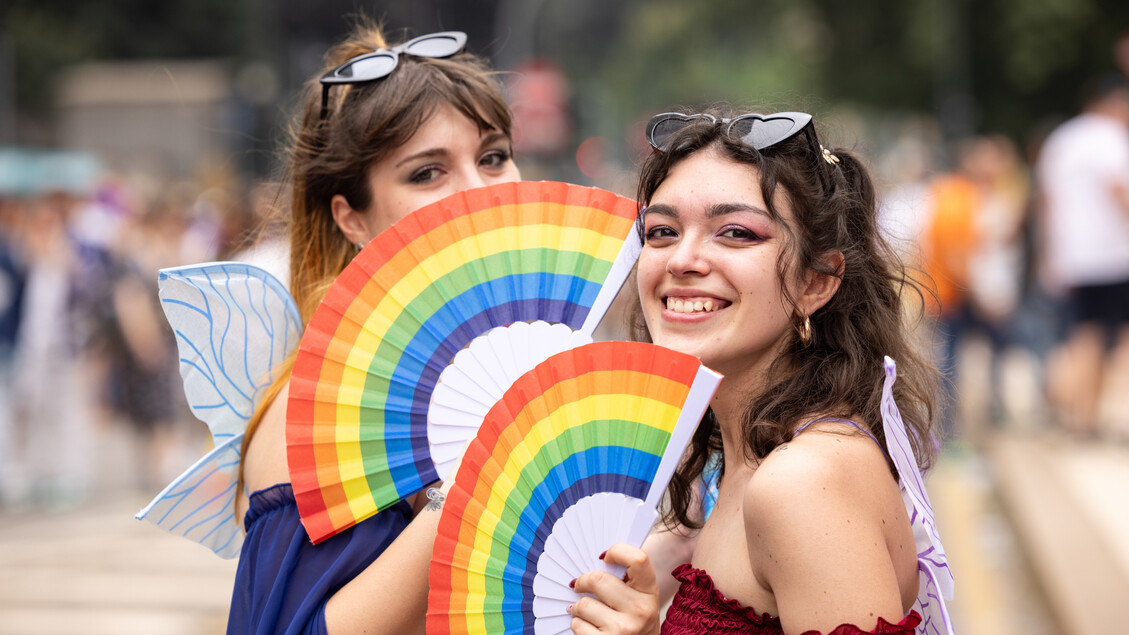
{"x": 805, "y": 331}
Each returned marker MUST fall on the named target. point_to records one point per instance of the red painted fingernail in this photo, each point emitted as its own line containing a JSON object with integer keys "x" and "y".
{"x": 572, "y": 584}
{"x": 569, "y": 609}
{"x": 603, "y": 554}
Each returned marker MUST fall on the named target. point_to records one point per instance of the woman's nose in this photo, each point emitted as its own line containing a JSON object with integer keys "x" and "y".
{"x": 471, "y": 177}
{"x": 688, "y": 258}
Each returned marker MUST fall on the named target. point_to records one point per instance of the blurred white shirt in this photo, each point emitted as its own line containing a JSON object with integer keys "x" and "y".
{"x": 1087, "y": 231}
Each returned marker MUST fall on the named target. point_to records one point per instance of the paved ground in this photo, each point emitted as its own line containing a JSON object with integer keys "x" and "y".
{"x": 996, "y": 592}
{"x": 96, "y": 570}
{"x": 1069, "y": 504}
{"x": 93, "y": 569}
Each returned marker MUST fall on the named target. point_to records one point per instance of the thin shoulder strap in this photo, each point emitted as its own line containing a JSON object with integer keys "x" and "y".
{"x": 838, "y": 420}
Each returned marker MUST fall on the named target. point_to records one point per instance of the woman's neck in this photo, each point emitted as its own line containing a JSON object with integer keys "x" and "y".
{"x": 736, "y": 392}
{"x": 728, "y": 405}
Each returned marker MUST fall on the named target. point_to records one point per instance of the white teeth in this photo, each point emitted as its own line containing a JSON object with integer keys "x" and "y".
{"x": 691, "y": 306}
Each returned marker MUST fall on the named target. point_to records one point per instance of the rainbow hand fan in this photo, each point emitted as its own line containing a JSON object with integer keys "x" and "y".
{"x": 936, "y": 578}
{"x": 357, "y": 426}
{"x": 575, "y": 457}
{"x": 233, "y": 323}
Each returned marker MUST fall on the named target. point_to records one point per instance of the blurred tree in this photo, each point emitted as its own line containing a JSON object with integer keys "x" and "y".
{"x": 673, "y": 52}
{"x": 977, "y": 65}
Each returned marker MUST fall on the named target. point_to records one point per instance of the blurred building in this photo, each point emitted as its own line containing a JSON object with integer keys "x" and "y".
{"x": 157, "y": 117}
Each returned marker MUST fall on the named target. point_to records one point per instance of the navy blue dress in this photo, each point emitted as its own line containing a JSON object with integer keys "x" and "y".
{"x": 283, "y": 581}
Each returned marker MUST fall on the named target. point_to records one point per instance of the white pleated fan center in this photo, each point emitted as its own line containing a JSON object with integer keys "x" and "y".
{"x": 478, "y": 377}
{"x": 579, "y": 536}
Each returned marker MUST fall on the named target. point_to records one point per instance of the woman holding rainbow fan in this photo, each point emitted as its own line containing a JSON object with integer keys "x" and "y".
{"x": 382, "y": 131}
{"x": 762, "y": 257}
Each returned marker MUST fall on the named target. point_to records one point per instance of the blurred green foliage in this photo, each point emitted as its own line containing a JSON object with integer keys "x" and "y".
{"x": 976, "y": 65}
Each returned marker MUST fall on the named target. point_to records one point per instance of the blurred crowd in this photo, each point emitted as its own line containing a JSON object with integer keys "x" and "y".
{"x": 1027, "y": 251}
{"x": 84, "y": 347}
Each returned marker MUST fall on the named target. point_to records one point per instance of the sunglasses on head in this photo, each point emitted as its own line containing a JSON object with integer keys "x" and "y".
{"x": 754, "y": 130}
{"x": 381, "y": 62}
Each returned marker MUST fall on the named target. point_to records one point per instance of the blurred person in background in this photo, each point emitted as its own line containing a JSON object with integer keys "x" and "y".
{"x": 1121, "y": 53}
{"x": 143, "y": 368}
{"x": 973, "y": 250}
{"x": 267, "y": 246}
{"x": 53, "y": 395}
{"x": 367, "y": 149}
{"x": 1083, "y": 182}
{"x": 11, "y": 305}
{"x": 947, "y": 244}
{"x": 904, "y": 206}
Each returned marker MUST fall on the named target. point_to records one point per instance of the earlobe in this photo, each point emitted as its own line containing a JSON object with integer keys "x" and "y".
{"x": 350, "y": 221}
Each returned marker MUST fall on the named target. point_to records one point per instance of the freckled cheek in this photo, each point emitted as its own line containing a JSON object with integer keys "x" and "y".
{"x": 648, "y": 275}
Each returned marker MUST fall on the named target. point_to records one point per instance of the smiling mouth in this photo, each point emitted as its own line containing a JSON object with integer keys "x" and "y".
{"x": 691, "y": 305}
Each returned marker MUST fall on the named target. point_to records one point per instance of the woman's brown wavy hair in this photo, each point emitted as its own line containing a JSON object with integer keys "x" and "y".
{"x": 333, "y": 155}
{"x": 840, "y": 372}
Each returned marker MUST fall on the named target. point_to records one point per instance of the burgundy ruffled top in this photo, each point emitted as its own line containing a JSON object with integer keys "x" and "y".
{"x": 698, "y": 607}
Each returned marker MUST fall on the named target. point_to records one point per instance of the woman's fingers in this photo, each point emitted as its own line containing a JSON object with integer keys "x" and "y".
{"x": 592, "y": 612}
{"x": 628, "y": 605}
{"x": 591, "y": 615}
{"x": 640, "y": 572}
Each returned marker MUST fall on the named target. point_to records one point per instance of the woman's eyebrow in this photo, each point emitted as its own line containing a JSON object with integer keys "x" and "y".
{"x": 490, "y": 138}
{"x": 661, "y": 210}
{"x": 721, "y": 209}
{"x": 430, "y": 153}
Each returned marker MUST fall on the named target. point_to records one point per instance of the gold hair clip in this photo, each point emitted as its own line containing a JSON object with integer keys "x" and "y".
{"x": 828, "y": 157}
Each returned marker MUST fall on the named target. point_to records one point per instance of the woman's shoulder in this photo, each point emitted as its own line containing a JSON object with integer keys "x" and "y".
{"x": 831, "y": 468}
{"x": 823, "y": 511}
{"x": 264, "y": 462}
{"x": 823, "y": 450}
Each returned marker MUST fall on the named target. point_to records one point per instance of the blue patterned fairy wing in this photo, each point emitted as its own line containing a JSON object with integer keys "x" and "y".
{"x": 200, "y": 503}
{"x": 936, "y": 584}
{"x": 234, "y": 323}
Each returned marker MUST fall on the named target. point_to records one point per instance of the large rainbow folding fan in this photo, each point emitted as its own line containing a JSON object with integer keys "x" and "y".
{"x": 357, "y": 417}
{"x": 233, "y": 323}
{"x": 576, "y": 456}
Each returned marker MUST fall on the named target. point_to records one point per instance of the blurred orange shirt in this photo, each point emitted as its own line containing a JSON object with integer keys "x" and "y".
{"x": 949, "y": 239}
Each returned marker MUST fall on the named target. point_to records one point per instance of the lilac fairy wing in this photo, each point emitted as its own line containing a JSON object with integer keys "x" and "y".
{"x": 200, "y": 503}
{"x": 234, "y": 323}
{"x": 930, "y": 603}
{"x": 936, "y": 578}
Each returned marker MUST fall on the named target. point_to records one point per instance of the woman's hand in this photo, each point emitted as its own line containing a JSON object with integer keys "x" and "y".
{"x": 630, "y": 605}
